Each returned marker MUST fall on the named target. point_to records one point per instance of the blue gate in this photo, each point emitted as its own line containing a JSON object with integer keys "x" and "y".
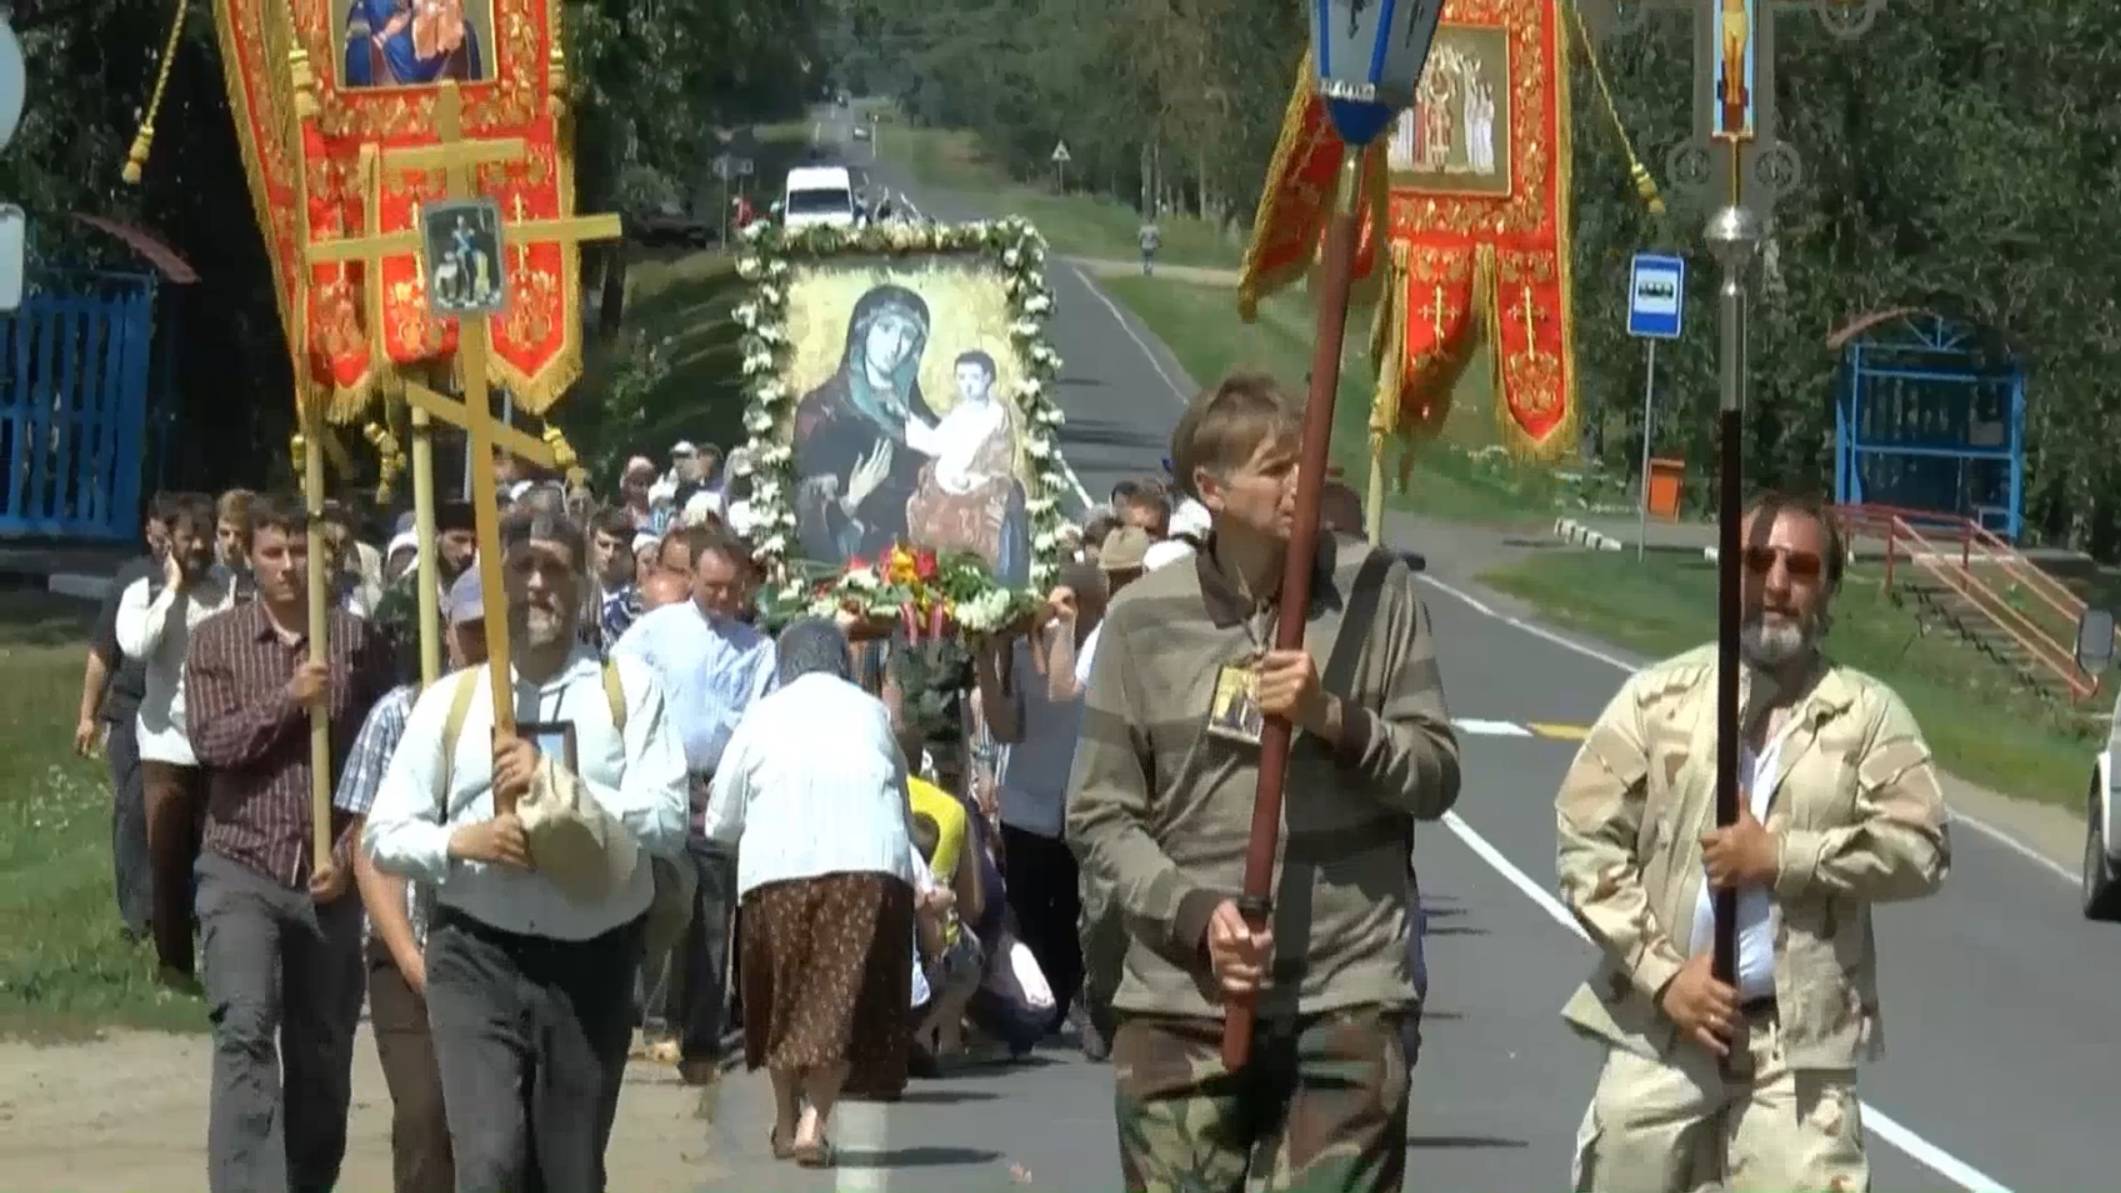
{"x": 73, "y": 406}
{"x": 1930, "y": 418}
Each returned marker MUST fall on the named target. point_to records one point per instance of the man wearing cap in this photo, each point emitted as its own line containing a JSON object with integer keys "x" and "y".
{"x": 538, "y": 848}
{"x": 456, "y": 545}
{"x": 398, "y": 913}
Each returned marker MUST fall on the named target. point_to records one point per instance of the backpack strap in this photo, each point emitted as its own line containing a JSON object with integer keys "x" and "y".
{"x": 615, "y": 693}
{"x": 467, "y": 685}
{"x": 453, "y": 725}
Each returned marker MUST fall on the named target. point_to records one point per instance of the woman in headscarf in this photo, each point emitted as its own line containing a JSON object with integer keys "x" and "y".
{"x": 827, "y": 948}
{"x": 854, "y": 471}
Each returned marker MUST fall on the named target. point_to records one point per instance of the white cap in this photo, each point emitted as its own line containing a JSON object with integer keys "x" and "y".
{"x": 683, "y": 447}
{"x": 1167, "y": 551}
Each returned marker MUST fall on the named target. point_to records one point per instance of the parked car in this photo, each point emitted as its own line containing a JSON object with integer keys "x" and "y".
{"x": 669, "y": 227}
{"x": 2102, "y": 838}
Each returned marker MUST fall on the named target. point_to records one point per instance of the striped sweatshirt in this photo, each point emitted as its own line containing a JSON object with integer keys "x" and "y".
{"x": 1160, "y": 809}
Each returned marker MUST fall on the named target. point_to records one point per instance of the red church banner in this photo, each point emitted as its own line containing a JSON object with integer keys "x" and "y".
{"x": 1475, "y": 240}
{"x": 311, "y": 82}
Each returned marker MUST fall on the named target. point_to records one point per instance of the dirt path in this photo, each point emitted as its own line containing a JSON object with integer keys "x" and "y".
{"x": 127, "y": 1113}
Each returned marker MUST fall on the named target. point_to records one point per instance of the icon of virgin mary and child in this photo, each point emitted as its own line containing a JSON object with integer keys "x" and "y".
{"x": 875, "y": 466}
{"x": 405, "y": 43}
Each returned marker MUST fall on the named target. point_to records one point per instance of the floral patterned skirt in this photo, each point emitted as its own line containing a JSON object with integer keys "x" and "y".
{"x": 828, "y": 978}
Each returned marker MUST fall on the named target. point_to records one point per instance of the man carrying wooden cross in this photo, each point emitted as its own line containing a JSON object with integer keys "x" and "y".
{"x": 537, "y": 840}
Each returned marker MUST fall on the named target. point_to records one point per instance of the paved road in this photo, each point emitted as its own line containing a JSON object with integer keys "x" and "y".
{"x": 1999, "y": 1073}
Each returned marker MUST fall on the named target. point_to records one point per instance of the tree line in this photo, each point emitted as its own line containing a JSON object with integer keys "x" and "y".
{"x": 1961, "y": 157}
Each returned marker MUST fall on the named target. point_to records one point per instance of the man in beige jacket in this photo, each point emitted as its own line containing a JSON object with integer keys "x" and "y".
{"x": 1752, "y": 1086}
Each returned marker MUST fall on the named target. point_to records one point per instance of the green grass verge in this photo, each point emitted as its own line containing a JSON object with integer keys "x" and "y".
{"x": 1461, "y": 476}
{"x": 65, "y": 967}
{"x": 1667, "y": 604}
{"x": 1077, "y": 224}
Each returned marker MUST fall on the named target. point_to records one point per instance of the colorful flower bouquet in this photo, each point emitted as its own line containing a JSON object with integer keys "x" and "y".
{"x": 910, "y": 591}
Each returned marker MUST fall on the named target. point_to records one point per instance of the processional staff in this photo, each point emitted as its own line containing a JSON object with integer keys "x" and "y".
{"x": 1369, "y": 56}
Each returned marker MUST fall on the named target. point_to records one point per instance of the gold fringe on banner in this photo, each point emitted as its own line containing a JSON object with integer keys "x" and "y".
{"x": 1298, "y": 137}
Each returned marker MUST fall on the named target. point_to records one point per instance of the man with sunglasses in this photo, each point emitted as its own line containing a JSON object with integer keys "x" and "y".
{"x": 1752, "y": 1085}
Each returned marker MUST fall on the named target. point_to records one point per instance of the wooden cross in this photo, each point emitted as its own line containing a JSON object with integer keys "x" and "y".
{"x": 1734, "y": 157}
{"x": 460, "y": 158}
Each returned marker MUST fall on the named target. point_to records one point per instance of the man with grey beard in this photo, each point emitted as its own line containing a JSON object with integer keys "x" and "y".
{"x": 1749, "y": 1086}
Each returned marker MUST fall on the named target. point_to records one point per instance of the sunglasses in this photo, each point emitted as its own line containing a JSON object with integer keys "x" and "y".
{"x": 1801, "y": 565}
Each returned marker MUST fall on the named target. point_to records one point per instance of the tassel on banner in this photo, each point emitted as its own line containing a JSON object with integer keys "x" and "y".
{"x": 144, "y": 140}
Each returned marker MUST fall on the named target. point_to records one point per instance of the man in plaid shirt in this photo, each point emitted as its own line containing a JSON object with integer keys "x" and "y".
{"x": 397, "y": 919}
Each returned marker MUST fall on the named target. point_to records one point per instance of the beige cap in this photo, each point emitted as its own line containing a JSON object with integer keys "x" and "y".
{"x": 1124, "y": 550}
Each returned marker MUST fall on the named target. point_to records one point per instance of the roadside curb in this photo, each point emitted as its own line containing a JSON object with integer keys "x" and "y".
{"x": 1569, "y": 530}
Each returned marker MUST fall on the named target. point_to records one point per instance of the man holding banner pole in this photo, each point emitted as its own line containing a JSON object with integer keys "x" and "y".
{"x": 1238, "y": 1066}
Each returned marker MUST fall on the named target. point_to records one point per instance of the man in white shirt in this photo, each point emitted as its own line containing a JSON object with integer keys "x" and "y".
{"x": 714, "y": 668}
{"x": 529, "y": 983}
{"x": 155, "y": 618}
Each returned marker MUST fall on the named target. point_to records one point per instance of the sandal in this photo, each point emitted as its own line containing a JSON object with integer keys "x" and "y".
{"x": 781, "y": 1151}
{"x": 816, "y": 1155}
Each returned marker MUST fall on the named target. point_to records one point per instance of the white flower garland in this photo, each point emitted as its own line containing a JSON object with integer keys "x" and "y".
{"x": 768, "y": 253}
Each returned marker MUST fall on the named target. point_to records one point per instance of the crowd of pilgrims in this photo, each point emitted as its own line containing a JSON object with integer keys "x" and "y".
{"x": 937, "y": 920}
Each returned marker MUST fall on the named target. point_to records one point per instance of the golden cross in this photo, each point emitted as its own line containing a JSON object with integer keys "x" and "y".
{"x": 460, "y": 158}
{"x": 1436, "y": 313}
{"x": 1530, "y": 314}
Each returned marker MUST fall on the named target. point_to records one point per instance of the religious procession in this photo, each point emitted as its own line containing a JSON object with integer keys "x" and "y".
{"x": 597, "y": 598}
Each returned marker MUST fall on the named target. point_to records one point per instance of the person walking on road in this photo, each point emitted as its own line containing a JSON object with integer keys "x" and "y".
{"x": 714, "y": 668}
{"x": 1152, "y": 239}
{"x": 826, "y": 871}
{"x": 281, "y": 939}
{"x": 156, "y": 616}
{"x": 1160, "y": 809}
{"x": 540, "y": 910}
{"x": 398, "y": 915}
{"x": 1752, "y": 1086}
{"x": 112, "y": 686}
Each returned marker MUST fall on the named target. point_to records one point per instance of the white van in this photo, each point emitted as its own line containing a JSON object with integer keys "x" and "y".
{"x": 818, "y": 195}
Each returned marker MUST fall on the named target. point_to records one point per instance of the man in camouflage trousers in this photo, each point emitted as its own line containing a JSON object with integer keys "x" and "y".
{"x": 1752, "y": 1086}
{"x": 1160, "y": 809}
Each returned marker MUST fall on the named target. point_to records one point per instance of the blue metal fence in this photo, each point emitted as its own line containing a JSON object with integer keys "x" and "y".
{"x": 73, "y": 406}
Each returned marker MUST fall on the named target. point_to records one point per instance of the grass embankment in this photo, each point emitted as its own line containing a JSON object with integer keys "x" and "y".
{"x": 65, "y": 966}
{"x": 1461, "y": 475}
{"x": 1076, "y": 224}
{"x": 1982, "y": 727}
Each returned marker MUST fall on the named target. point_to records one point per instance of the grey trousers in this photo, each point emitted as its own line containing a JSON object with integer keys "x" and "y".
{"x": 530, "y": 1034}
{"x": 131, "y": 870}
{"x": 699, "y": 1001}
{"x": 283, "y": 990}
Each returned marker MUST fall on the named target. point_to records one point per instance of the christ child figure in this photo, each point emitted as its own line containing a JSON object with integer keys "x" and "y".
{"x": 967, "y": 497}
{"x": 970, "y": 445}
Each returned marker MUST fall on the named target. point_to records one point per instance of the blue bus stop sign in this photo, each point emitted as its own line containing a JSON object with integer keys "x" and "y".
{"x": 1656, "y": 296}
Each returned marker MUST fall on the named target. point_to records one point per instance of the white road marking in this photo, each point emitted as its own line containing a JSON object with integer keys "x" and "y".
{"x": 1481, "y": 728}
{"x": 1178, "y": 391}
{"x": 1983, "y": 827}
{"x": 1943, "y": 1163}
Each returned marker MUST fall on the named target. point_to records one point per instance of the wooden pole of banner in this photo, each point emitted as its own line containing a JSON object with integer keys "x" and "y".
{"x": 460, "y": 158}
{"x": 1295, "y": 600}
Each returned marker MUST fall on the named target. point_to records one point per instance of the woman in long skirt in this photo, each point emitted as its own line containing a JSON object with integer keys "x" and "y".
{"x": 812, "y": 792}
